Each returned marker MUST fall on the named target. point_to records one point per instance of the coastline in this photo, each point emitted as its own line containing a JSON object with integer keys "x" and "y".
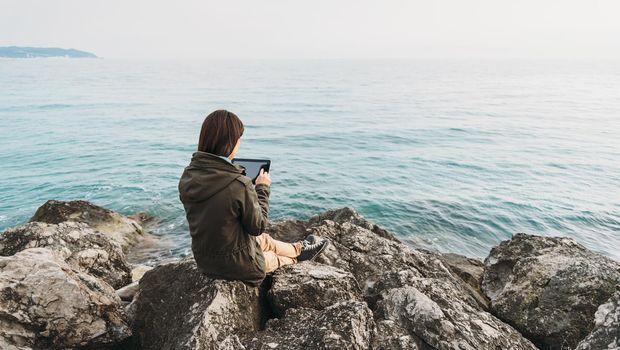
{"x": 368, "y": 290}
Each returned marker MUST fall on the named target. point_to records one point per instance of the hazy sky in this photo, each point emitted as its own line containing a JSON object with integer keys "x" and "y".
{"x": 317, "y": 28}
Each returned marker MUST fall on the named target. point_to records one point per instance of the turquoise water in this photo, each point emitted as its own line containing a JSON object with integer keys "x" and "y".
{"x": 450, "y": 155}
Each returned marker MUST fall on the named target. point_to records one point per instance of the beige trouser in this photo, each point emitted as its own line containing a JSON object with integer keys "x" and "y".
{"x": 277, "y": 253}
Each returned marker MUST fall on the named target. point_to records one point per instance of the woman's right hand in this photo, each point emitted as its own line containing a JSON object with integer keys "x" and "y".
{"x": 263, "y": 178}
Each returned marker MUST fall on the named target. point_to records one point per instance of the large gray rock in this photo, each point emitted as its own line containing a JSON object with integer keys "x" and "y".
{"x": 432, "y": 316}
{"x": 370, "y": 257}
{"x": 350, "y": 215}
{"x": 470, "y": 271}
{"x": 343, "y": 325}
{"x": 178, "y": 307}
{"x": 79, "y": 245}
{"x": 288, "y": 230}
{"x": 124, "y": 230}
{"x": 606, "y": 332}
{"x": 295, "y": 230}
{"x": 138, "y": 271}
{"x": 45, "y": 304}
{"x": 310, "y": 285}
{"x": 549, "y": 288}
{"x": 391, "y": 335}
{"x": 395, "y": 279}
{"x": 128, "y": 292}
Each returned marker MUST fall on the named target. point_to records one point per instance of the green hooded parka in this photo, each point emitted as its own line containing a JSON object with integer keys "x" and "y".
{"x": 224, "y": 211}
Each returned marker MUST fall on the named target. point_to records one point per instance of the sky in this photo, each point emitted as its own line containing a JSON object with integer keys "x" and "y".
{"x": 317, "y": 28}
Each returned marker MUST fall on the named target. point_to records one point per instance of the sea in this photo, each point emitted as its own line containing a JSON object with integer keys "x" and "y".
{"x": 448, "y": 155}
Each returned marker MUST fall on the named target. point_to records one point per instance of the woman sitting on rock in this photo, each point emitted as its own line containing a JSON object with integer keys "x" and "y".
{"x": 227, "y": 214}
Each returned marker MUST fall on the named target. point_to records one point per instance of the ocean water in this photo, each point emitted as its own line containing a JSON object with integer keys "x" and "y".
{"x": 448, "y": 155}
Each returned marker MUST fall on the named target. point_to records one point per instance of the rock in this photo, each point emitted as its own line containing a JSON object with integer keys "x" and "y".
{"x": 370, "y": 257}
{"x": 295, "y": 230}
{"x": 434, "y": 317}
{"x": 343, "y": 325}
{"x": 44, "y": 303}
{"x": 231, "y": 342}
{"x": 548, "y": 288}
{"x": 122, "y": 229}
{"x": 178, "y": 307}
{"x": 138, "y": 271}
{"x": 606, "y": 332}
{"x": 390, "y": 335}
{"x": 151, "y": 249}
{"x": 310, "y": 285}
{"x": 350, "y": 215}
{"x": 367, "y": 291}
{"x": 288, "y": 230}
{"x": 470, "y": 271}
{"x": 128, "y": 292}
{"x": 142, "y": 218}
{"x": 390, "y": 273}
{"x": 79, "y": 245}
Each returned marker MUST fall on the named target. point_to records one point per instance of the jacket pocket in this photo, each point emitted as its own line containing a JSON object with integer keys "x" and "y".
{"x": 256, "y": 255}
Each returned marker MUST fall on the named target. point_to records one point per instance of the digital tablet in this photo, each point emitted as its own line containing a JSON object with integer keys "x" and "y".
{"x": 253, "y": 166}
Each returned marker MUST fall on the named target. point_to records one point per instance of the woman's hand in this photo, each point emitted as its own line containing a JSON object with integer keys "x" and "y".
{"x": 263, "y": 178}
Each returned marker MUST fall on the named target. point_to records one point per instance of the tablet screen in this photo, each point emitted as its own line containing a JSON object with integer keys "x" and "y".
{"x": 253, "y": 166}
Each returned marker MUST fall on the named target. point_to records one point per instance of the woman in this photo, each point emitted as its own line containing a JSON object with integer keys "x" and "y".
{"x": 227, "y": 214}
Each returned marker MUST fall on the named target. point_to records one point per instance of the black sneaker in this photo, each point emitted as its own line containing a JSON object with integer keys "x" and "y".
{"x": 311, "y": 239}
{"x": 310, "y": 251}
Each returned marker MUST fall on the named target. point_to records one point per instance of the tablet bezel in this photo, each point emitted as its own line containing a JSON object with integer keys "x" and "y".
{"x": 253, "y": 160}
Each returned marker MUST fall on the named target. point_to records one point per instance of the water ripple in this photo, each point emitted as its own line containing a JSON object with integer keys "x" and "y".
{"x": 447, "y": 155}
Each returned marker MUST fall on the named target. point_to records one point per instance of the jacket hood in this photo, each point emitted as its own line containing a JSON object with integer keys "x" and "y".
{"x": 206, "y": 175}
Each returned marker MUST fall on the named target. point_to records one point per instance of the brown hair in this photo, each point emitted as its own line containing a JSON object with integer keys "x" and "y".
{"x": 220, "y": 132}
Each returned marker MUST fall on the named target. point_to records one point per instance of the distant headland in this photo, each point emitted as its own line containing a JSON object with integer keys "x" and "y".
{"x": 33, "y": 52}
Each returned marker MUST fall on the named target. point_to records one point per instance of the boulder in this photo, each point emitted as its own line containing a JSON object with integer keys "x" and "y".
{"x": 310, "y": 285}
{"x": 548, "y": 288}
{"x": 343, "y": 325}
{"x": 470, "y": 271}
{"x": 178, "y": 307}
{"x": 125, "y": 231}
{"x": 430, "y": 314}
{"x": 368, "y": 290}
{"x": 295, "y": 230}
{"x": 138, "y": 271}
{"x": 143, "y": 218}
{"x": 128, "y": 292}
{"x": 394, "y": 279}
{"x": 351, "y": 216}
{"x": 79, "y": 245}
{"x": 287, "y": 230}
{"x": 606, "y": 332}
{"x": 390, "y": 335}
{"x": 152, "y": 249}
{"x": 45, "y": 304}
{"x": 370, "y": 257}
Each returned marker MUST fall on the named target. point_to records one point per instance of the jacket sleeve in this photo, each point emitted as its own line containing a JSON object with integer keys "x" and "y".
{"x": 255, "y": 209}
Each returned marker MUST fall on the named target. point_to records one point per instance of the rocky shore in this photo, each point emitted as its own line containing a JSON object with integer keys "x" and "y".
{"x": 66, "y": 283}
